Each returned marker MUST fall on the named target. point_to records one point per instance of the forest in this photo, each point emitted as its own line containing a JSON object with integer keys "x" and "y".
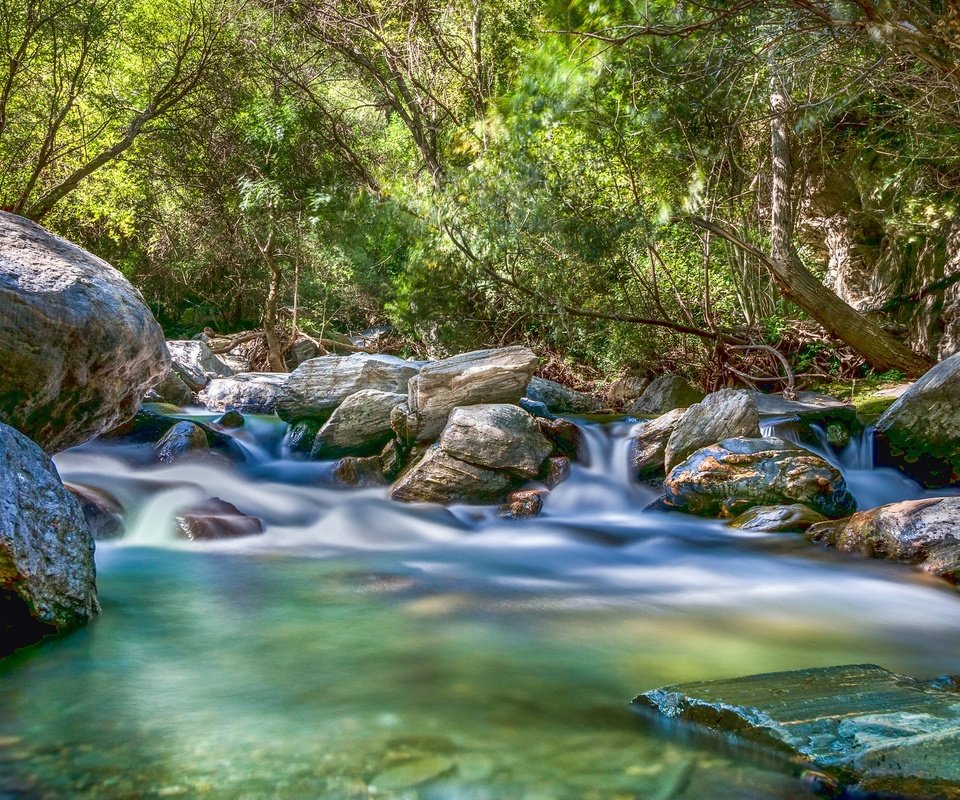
{"x": 628, "y": 188}
{"x": 479, "y": 399}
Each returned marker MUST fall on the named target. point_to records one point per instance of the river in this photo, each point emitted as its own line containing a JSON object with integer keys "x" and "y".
{"x": 363, "y": 648}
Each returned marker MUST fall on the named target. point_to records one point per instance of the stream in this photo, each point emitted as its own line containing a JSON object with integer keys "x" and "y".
{"x": 364, "y": 648}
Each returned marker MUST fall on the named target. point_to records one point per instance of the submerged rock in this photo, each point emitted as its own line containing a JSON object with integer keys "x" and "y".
{"x": 300, "y": 435}
{"x": 560, "y": 399}
{"x": 649, "y": 445}
{"x": 359, "y": 472}
{"x": 920, "y": 432}
{"x": 496, "y": 436}
{"x": 722, "y": 415}
{"x": 183, "y": 439}
{"x": 924, "y": 533}
{"x": 872, "y": 730}
{"x": 483, "y": 376}
{"x": 522, "y": 504}
{"x": 47, "y": 572}
{"x": 359, "y": 426}
{"x": 248, "y": 392}
{"x": 441, "y": 478}
{"x": 733, "y": 475}
{"x": 315, "y": 388}
{"x": 79, "y": 347}
{"x": 665, "y": 394}
{"x": 103, "y": 513}
{"x": 216, "y": 519}
{"x": 778, "y": 519}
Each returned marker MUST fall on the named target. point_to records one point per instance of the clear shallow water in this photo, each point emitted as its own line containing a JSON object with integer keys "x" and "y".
{"x": 362, "y": 648}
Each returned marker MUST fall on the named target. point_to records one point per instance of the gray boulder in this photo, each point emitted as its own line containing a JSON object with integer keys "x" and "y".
{"x": 315, "y": 388}
{"x": 778, "y": 519}
{"x": 924, "y": 533}
{"x": 627, "y": 390}
{"x": 47, "y": 572}
{"x": 195, "y": 363}
{"x": 649, "y": 445}
{"x": 483, "y": 376}
{"x": 560, "y": 399}
{"x": 731, "y": 476}
{"x": 496, "y": 436}
{"x": 78, "y": 345}
{"x": 359, "y": 426}
{"x": 247, "y": 392}
{"x": 920, "y": 432}
{"x": 441, "y": 478}
{"x": 665, "y": 394}
{"x": 722, "y": 415}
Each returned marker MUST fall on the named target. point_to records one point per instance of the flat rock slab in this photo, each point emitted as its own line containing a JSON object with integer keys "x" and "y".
{"x": 806, "y": 405}
{"x": 883, "y": 732}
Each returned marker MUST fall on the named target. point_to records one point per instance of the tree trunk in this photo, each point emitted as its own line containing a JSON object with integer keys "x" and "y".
{"x": 270, "y": 316}
{"x": 799, "y": 285}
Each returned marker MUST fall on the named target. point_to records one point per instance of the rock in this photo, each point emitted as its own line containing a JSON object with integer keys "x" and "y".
{"x": 315, "y": 388}
{"x": 47, "y": 571}
{"x": 411, "y": 773}
{"x": 665, "y": 394}
{"x": 924, "y": 533}
{"x": 733, "y": 475}
{"x": 78, "y": 345}
{"x": 808, "y": 406}
{"x": 565, "y": 436}
{"x": 302, "y": 350}
{"x": 171, "y": 389}
{"x": 300, "y": 435}
{"x": 778, "y": 519}
{"x": 483, "y": 376}
{"x": 103, "y": 514}
{"x": 875, "y": 732}
{"x": 249, "y": 392}
{"x": 649, "y": 445}
{"x": 231, "y": 420}
{"x": 154, "y": 420}
{"x": 216, "y": 519}
{"x": 393, "y": 458}
{"x": 556, "y": 470}
{"x": 496, "y": 436}
{"x": 194, "y": 362}
{"x": 627, "y": 390}
{"x": 441, "y": 478}
{"x": 560, "y": 399}
{"x": 359, "y": 472}
{"x": 359, "y": 426}
{"x": 535, "y": 408}
{"x": 920, "y": 432}
{"x": 722, "y": 415}
{"x": 181, "y": 440}
{"x": 838, "y": 435}
{"x": 522, "y": 504}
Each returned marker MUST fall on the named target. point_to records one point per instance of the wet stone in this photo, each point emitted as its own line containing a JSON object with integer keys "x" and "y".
{"x": 216, "y": 519}
{"x": 861, "y": 724}
{"x": 412, "y": 773}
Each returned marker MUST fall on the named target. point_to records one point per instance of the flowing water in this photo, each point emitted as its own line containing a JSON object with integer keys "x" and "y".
{"x": 362, "y": 648}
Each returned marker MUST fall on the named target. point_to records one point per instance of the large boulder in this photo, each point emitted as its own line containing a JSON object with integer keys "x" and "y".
{"x": 649, "y": 444}
{"x": 726, "y": 414}
{"x": 360, "y": 426}
{"x": 665, "y": 394}
{"x": 483, "y": 376}
{"x": 496, "y": 436}
{"x": 560, "y": 399}
{"x": 925, "y": 533}
{"x": 47, "y": 572}
{"x": 920, "y": 432}
{"x": 731, "y": 476}
{"x": 627, "y": 390}
{"x": 195, "y": 363}
{"x": 249, "y": 392}
{"x": 441, "y": 478}
{"x": 184, "y": 439}
{"x": 78, "y": 345}
{"x": 315, "y": 388}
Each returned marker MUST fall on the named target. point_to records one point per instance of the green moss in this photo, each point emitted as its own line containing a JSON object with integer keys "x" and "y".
{"x": 868, "y": 396}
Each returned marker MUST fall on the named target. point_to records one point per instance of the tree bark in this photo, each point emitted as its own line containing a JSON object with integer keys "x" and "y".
{"x": 799, "y": 285}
